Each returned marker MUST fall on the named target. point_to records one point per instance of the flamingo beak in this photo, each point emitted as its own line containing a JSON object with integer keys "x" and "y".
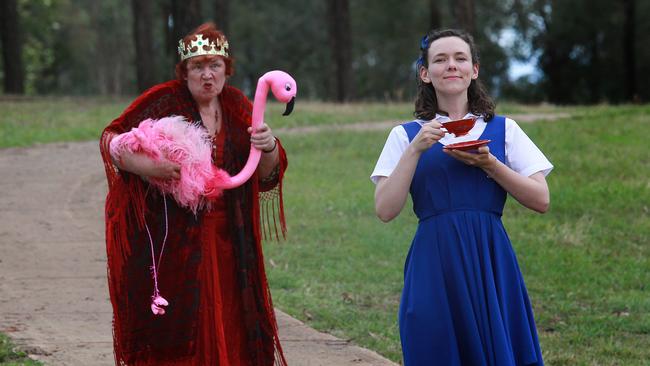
{"x": 289, "y": 107}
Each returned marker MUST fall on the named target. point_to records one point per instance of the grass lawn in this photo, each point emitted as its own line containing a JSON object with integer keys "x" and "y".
{"x": 11, "y": 357}
{"x": 586, "y": 262}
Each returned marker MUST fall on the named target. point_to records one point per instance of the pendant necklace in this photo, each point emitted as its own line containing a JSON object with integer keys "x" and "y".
{"x": 157, "y": 301}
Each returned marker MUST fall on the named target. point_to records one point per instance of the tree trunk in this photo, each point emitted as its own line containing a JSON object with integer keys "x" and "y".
{"x": 629, "y": 53}
{"x": 10, "y": 34}
{"x": 222, "y": 12}
{"x": 143, "y": 40}
{"x": 463, "y": 15}
{"x": 595, "y": 75}
{"x": 185, "y": 16}
{"x": 340, "y": 38}
{"x": 435, "y": 18}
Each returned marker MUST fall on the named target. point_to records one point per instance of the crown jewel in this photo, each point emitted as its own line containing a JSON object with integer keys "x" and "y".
{"x": 203, "y": 47}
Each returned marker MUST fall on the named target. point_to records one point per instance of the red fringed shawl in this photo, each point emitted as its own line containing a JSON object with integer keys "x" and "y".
{"x": 141, "y": 338}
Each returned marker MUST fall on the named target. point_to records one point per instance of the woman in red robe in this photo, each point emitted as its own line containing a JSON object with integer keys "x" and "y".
{"x": 212, "y": 268}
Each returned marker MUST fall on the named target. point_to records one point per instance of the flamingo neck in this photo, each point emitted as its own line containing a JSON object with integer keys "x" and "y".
{"x": 259, "y": 103}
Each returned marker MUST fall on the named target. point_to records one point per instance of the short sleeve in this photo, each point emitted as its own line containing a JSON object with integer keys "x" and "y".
{"x": 522, "y": 155}
{"x": 395, "y": 146}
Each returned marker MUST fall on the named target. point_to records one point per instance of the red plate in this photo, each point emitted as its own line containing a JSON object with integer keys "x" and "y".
{"x": 467, "y": 145}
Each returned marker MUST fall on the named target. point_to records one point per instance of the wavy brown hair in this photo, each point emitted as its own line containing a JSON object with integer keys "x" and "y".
{"x": 426, "y": 102}
{"x": 208, "y": 30}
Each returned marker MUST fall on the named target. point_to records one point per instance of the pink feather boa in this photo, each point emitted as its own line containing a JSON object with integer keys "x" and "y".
{"x": 187, "y": 144}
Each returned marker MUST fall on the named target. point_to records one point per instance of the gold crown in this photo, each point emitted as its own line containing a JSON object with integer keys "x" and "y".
{"x": 203, "y": 47}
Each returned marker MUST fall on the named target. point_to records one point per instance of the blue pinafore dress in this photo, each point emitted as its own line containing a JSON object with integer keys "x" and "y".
{"x": 464, "y": 300}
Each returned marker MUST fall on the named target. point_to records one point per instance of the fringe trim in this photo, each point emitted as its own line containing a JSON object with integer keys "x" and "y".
{"x": 273, "y": 222}
{"x": 271, "y": 201}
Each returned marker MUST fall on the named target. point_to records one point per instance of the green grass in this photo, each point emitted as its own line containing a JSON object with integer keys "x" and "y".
{"x": 28, "y": 121}
{"x": 586, "y": 262}
{"x": 9, "y": 356}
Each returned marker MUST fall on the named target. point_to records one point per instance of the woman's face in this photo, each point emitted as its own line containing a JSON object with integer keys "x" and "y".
{"x": 450, "y": 66}
{"x": 206, "y": 76}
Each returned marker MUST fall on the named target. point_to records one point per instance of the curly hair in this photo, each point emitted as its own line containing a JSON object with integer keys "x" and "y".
{"x": 208, "y": 30}
{"x": 426, "y": 102}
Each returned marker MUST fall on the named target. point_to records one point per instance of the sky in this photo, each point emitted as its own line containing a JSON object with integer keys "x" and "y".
{"x": 517, "y": 68}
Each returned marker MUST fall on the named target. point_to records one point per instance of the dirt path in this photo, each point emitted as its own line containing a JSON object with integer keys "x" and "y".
{"x": 53, "y": 295}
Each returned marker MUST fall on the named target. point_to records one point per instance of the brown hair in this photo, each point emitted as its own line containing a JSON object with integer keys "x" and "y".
{"x": 208, "y": 30}
{"x": 426, "y": 102}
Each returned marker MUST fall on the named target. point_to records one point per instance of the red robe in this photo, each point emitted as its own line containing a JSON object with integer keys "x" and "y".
{"x": 212, "y": 270}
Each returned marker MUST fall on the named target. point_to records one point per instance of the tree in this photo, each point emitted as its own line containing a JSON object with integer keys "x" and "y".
{"x": 580, "y": 45}
{"x": 143, "y": 40}
{"x": 185, "y": 16}
{"x": 112, "y": 72}
{"x": 463, "y": 15}
{"x": 435, "y": 15}
{"x": 629, "y": 54}
{"x": 222, "y": 14}
{"x": 10, "y": 32}
{"x": 340, "y": 39}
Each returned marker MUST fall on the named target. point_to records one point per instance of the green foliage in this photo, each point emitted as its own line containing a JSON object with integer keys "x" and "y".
{"x": 580, "y": 48}
{"x": 77, "y": 47}
{"x": 289, "y": 35}
{"x": 9, "y": 356}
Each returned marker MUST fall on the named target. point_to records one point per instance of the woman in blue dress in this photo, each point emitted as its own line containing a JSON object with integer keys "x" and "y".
{"x": 464, "y": 300}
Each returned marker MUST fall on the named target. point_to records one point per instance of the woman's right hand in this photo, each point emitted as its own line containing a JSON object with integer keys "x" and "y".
{"x": 429, "y": 134}
{"x": 392, "y": 191}
{"x": 142, "y": 165}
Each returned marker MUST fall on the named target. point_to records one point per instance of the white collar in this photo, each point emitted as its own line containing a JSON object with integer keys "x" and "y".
{"x": 443, "y": 118}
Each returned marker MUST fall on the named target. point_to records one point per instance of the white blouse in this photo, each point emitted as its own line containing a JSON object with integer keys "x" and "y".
{"x": 522, "y": 155}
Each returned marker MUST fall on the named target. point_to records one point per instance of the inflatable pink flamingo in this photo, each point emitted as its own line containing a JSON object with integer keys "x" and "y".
{"x": 284, "y": 89}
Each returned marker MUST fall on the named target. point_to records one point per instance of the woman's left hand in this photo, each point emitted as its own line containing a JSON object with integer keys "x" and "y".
{"x": 262, "y": 138}
{"x": 482, "y": 159}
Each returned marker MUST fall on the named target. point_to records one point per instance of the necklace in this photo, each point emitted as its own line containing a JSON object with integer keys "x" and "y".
{"x": 157, "y": 301}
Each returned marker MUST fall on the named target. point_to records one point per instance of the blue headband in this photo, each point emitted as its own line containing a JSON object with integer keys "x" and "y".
{"x": 424, "y": 45}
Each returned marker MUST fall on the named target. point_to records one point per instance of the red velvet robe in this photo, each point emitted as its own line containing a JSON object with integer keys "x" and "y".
{"x": 212, "y": 269}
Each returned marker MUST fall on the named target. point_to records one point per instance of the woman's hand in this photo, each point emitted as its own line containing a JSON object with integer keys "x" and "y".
{"x": 142, "y": 165}
{"x": 164, "y": 169}
{"x": 262, "y": 138}
{"x": 531, "y": 191}
{"x": 428, "y": 135}
{"x": 482, "y": 159}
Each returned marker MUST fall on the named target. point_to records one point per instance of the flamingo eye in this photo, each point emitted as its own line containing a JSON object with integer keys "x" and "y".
{"x": 287, "y": 86}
